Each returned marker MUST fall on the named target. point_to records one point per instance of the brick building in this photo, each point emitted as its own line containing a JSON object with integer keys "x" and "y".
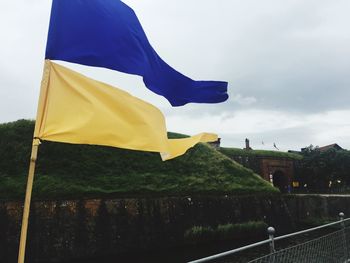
{"x": 274, "y": 166}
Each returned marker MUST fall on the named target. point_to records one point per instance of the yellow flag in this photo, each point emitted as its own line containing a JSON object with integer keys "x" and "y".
{"x": 76, "y": 109}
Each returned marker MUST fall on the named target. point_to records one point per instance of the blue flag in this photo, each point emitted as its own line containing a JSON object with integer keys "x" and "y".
{"x": 107, "y": 33}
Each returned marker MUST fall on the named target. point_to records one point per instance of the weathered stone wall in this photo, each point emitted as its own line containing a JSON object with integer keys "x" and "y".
{"x": 64, "y": 230}
{"x": 314, "y": 206}
{"x": 68, "y": 229}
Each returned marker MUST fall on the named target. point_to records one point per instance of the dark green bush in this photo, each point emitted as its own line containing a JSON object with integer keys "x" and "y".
{"x": 203, "y": 234}
{"x": 197, "y": 234}
{"x": 231, "y": 231}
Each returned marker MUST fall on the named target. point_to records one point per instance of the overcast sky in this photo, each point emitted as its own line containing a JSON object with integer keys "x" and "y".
{"x": 287, "y": 63}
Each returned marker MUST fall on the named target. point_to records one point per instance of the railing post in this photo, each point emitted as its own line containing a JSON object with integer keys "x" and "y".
{"x": 271, "y": 231}
{"x": 345, "y": 246}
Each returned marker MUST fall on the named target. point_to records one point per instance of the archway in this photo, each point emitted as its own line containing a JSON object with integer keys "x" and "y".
{"x": 280, "y": 181}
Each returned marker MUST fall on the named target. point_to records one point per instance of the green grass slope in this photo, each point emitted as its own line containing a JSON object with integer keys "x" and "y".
{"x": 231, "y": 152}
{"x": 78, "y": 171}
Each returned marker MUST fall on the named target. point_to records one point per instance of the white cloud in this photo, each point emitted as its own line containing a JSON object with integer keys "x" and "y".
{"x": 246, "y": 101}
{"x": 287, "y": 130}
{"x": 287, "y": 63}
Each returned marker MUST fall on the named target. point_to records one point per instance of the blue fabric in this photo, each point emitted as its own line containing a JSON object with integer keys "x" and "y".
{"x": 107, "y": 33}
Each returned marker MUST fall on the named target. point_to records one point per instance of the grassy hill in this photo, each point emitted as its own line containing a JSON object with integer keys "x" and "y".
{"x": 231, "y": 152}
{"x": 75, "y": 171}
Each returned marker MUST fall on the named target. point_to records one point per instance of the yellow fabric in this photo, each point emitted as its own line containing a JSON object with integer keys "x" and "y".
{"x": 178, "y": 147}
{"x": 76, "y": 109}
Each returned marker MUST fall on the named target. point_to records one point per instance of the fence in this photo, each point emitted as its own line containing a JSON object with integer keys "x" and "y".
{"x": 333, "y": 247}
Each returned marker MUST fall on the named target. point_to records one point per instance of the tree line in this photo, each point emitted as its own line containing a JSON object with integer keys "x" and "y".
{"x": 324, "y": 170}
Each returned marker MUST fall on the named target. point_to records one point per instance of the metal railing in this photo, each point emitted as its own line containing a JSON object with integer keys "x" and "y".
{"x": 332, "y": 247}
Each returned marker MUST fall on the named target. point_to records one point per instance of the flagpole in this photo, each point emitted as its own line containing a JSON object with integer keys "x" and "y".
{"x": 33, "y": 157}
{"x": 22, "y": 244}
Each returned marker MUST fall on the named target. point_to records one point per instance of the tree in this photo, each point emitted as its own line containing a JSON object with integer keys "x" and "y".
{"x": 324, "y": 170}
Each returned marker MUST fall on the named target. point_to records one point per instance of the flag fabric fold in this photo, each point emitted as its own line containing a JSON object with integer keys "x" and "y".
{"x": 107, "y": 33}
{"x": 76, "y": 109}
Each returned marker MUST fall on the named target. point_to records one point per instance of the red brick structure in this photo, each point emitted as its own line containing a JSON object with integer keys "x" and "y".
{"x": 278, "y": 170}
{"x": 331, "y": 146}
{"x": 275, "y": 168}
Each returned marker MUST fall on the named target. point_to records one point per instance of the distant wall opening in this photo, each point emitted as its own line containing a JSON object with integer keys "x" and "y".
{"x": 280, "y": 181}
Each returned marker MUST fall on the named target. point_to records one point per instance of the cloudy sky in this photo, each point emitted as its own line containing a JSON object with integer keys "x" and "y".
{"x": 287, "y": 64}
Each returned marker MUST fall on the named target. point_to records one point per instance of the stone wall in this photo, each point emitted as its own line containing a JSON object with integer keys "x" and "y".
{"x": 313, "y": 206}
{"x": 78, "y": 229}
{"x": 69, "y": 229}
